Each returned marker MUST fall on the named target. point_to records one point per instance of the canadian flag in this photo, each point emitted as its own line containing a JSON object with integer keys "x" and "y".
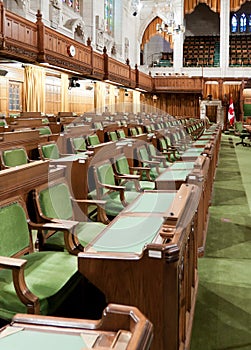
{"x": 231, "y": 114}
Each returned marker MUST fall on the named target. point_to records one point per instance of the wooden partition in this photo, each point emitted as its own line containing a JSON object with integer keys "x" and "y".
{"x": 120, "y": 326}
{"x": 154, "y": 265}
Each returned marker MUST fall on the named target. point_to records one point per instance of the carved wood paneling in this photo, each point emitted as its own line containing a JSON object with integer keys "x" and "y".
{"x": 178, "y": 84}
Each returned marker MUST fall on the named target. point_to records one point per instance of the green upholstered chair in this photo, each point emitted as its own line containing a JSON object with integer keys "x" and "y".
{"x": 45, "y": 130}
{"x": 112, "y": 135}
{"x": 121, "y": 134}
{"x": 145, "y": 160}
{"x": 133, "y": 131}
{"x": 169, "y": 147}
{"x": 156, "y": 155}
{"x": 240, "y": 131}
{"x": 93, "y": 140}
{"x": 115, "y": 196}
{"x": 122, "y": 169}
{"x": 49, "y": 150}
{"x": 55, "y": 203}
{"x": 14, "y": 157}
{"x": 168, "y": 151}
{"x": 30, "y": 282}
{"x": 78, "y": 144}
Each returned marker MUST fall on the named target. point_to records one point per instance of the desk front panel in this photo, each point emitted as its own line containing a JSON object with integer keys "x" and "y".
{"x": 171, "y": 179}
{"x": 131, "y": 263}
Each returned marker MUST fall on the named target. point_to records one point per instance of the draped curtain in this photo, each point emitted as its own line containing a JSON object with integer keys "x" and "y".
{"x": 99, "y": 97}
{"x": 64, "y": 92}
{"x": 236, "y": 4}
{"x": 34, "y": 89}
{"x": 211, "y": 89}
{"x": 189, "y": 5}
{"x": 112, "y": 101}
{"x": 231, "y": 89}
{"x": 151, "y": 31}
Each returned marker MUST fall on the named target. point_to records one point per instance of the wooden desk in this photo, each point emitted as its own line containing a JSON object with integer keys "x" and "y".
{"x": 198, "y": 173}
{"x": 147, "y": 257}
{"x": 120, "y": 327}
{"x": 22, "y": 179}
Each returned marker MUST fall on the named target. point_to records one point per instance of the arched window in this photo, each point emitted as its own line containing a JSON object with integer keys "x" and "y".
{"x": 243, "y": 23}
{"x": 74, "y": 4}
{"x": 109, "y": 16}
{"x": 234, "y": 24}
{"x": 240, "y": 21}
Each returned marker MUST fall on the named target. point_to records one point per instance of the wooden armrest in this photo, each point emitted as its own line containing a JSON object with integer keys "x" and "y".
{"x": 89, "y": 201}
{"x": 152, "y": 162}
{"x": 11, "y": 263}
{"x": 55, "y": 224}
{"x": 128, "y": 176}
{"x": 113, "y": 187}
{"x": 24, "y": 294}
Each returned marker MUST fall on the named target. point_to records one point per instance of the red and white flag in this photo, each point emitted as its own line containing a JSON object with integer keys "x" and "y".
{"x": 231, "y": 114}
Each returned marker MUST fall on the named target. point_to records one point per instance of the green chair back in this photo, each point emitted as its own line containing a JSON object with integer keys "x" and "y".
{"x": 113, "y": 136}
{"x": 122, "y": 165}
{"x": 55, "y": 202}
{"x": 133, "y": 132}
{"x": 105, "y": 175}
{"x": 121, "y": 134}
{"x": 45, "y": 130}
{"x": 50, "y": 151}
{"x": 15, "y": 157}
{"x": 140, "y": 131}
{"x": 143, "y": 154}
{"x": 79, "y": 144}
{"x": 152, "y": 150}
{"x": 14, "y": 231}
{"x": 93, "y": 140}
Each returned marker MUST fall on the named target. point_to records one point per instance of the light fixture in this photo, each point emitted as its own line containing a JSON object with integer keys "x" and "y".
{"x": 168, "y": 25}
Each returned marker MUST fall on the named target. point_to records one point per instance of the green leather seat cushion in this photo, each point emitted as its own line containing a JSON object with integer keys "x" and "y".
{"x": 49, "y": 275}
{"x": 15, "y": 157}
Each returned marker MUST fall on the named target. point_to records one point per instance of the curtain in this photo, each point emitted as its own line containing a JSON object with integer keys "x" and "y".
{"x": 99, "y": 97}
{"x": 236, "y": 4}
{"x": 231, "y": 89}
{"x": 64, "y": 93}
{"x": 211, "y": 89}
{"x": 189, "y": 5}
{"x": 34, "y": 89}
{"x": 151, "y": 31}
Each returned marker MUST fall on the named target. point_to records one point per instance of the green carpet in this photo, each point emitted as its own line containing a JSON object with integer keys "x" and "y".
{"x": 222, "y": 318}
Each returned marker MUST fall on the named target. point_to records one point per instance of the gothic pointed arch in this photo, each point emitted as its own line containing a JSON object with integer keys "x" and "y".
{"x": 151, "y": 31}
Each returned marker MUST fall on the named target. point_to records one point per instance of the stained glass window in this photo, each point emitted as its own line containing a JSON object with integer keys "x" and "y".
{"x": 234, "y": 24}
{"x": 109, "y": 16}
{"x": 240, "y": 22}
{"x": 243, "y": 23}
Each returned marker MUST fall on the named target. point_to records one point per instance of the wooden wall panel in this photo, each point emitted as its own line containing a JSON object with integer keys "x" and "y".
{"x": 3, "y": 95}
